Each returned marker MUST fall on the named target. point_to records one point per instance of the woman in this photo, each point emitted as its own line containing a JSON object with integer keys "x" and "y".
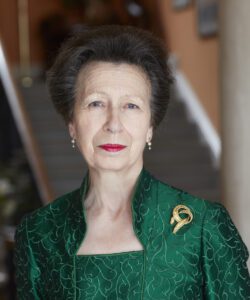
{"x": 123, "y": 234}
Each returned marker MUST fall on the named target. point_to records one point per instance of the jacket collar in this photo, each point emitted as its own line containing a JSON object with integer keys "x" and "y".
{"x": 143, "y": 202}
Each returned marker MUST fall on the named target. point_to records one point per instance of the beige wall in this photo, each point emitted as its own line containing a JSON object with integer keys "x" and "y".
{"x": 235, "y": 91}
{"x": 198, "y": 57}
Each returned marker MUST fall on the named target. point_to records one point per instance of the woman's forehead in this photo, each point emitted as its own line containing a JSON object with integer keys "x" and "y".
{"x": 105, "y": 76}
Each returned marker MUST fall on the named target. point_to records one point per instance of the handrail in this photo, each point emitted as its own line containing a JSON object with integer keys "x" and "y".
{"x": 25, "y": 129}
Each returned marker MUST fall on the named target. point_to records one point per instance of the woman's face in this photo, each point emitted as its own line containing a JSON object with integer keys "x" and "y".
{"x": 112, "y": 107}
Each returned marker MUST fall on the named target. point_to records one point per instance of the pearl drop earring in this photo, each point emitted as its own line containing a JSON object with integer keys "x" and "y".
{"x": 73, "y": 143}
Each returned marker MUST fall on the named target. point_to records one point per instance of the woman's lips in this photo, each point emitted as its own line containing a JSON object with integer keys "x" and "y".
{"x": 112, "y": 147}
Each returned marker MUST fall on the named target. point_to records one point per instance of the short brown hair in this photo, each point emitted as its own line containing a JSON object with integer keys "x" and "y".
{"x": 110, "y": 43}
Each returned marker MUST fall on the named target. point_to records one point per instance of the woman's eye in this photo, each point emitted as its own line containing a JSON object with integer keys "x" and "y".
{"x": 132, "y": 106}
{"x": 96, "y": 104}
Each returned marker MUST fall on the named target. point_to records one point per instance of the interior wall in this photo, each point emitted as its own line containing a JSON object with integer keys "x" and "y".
{"x": 9, "y": 29}
{"x": 38, "y": 10}
{"x": 198, "y": 56}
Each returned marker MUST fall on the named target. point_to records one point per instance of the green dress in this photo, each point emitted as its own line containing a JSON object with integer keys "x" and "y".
{"x": 109, "y": 276}
{"x": 204, "y": 259}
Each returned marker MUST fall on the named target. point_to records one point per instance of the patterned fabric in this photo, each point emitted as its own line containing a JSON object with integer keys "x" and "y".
{"x": 110, "y": 276}
{"x": 205, "y": 259}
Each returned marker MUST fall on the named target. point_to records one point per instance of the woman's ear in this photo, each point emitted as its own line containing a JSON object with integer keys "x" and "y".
{"x": 71, "y": 128}
{"x": 150, "y": 133}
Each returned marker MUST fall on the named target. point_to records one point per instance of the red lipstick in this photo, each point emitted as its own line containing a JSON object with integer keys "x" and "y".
{"x": 112, "y": 147}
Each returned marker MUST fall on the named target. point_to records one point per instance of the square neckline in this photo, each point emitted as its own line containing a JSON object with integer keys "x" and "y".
{"x": 111, "y": 254}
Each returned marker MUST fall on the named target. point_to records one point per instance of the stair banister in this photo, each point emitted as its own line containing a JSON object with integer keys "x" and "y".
{"x": 25, "y": 129}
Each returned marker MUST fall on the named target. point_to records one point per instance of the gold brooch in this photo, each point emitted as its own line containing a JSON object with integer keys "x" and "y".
{"x": 181, "y": 209}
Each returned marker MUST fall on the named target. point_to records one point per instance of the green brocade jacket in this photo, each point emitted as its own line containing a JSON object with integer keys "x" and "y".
{"x": 205, "y": 259}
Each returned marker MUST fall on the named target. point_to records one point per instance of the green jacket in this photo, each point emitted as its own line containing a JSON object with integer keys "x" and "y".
{"x": 205, "y": 259}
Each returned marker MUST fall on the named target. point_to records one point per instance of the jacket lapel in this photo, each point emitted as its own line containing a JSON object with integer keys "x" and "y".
{"x": 76, "y": 218}
{"x": 143, "y": 206}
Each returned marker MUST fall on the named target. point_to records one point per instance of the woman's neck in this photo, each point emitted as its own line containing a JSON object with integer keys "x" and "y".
{"x": 111, "y": 191}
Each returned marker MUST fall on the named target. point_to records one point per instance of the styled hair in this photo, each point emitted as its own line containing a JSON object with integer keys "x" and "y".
{"x": 115, "y": 44}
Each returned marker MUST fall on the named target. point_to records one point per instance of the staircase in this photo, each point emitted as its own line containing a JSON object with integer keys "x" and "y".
{"x": 178, "y": 156}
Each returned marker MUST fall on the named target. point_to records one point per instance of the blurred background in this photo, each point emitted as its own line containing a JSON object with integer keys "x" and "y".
{"x": 202, "y": 146}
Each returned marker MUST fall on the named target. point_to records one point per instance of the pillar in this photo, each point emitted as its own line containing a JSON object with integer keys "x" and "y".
{"x": 235, "y": 111}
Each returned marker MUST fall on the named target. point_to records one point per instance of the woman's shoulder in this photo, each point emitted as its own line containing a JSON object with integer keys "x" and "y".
{"x": 53, "y": 212}
{"x": 173, "y": 196}
{"x": 210, "y": 219}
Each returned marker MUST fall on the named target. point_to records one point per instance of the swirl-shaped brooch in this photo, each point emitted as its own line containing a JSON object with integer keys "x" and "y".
{"x": 181, "y": 209}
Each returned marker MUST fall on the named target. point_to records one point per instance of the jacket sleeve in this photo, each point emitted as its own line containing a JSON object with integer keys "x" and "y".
{"x": 27, "y": 272}
{"x": 224, "y": 257}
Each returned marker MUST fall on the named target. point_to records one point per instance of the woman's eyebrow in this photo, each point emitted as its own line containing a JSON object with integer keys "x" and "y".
{"x": 92, "y": 95}
{"x": 134, "y": 97}
{"x": 96, "y": 94}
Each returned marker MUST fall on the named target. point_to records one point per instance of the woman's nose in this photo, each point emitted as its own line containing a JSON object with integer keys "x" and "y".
{"x": 113, "y": 122}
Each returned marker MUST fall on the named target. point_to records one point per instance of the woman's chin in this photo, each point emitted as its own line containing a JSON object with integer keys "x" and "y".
{"x": 111, "y": 165}
{"x": 115, "y": 161}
